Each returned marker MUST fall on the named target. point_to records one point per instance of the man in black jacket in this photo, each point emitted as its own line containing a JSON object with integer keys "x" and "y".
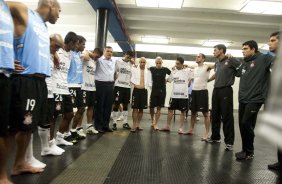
{"x": 254, "y": 73}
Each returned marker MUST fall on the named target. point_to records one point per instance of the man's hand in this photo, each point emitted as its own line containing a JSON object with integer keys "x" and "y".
{"x": 18, "y": 68}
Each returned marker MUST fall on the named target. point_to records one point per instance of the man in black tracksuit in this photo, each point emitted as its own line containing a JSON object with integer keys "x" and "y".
{"x": 254, "y": 73}
{"x": 222, "y": 97}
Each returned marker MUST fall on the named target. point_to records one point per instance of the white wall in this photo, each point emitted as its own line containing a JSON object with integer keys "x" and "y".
{"x": 171, "y": 63}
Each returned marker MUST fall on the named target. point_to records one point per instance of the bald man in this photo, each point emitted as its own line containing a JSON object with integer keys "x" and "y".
{"x": 29, "y": 90}
{"x": 141, "y": 79}
{"x": 158, "y": 93}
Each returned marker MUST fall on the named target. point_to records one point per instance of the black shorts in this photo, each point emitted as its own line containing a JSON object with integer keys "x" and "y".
{"x": 62, "y": 104}
{"x": 28, "y": 102}
{"x": 200, "y": 101}
{"x": 4, "y": 104}
{"x": 50, "y": 110}
{"x": 139, "y": 99}
{"x": 91, "y": 100}
{"x": 157, "y": 98}
{"x": 122, "y": 95}
{"x": 178, "y": 104}
{"x": 78, "y": 98}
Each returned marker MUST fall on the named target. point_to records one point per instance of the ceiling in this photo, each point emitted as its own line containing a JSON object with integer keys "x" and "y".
{"x": 197, "y": 21}
{"x": 190, "y": 26}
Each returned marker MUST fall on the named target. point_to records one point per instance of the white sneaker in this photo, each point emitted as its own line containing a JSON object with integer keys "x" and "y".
{"x": 52, "y": 144}
{"x": 120, "y": 118}
{"x": 35, "y": 163}
{"x": 81, "y": 132}
{"x": 91, "y": 130}
{"x": 62, "y": 141}
{"x": 51, "y": 151}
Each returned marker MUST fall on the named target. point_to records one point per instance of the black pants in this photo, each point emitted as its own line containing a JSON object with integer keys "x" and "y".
{"x": 279, "y": 155}
{"x": 104, "y": 96}
{"x": 222, "y": 110}
{"x": 247, "y": 122}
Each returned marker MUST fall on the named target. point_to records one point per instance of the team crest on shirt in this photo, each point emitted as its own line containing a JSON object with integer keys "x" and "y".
{"x": 252, "y": 65}
{"x": 27, "y": 119}
{"x": 58, "y": 106}
{"x": 226, "y": 63}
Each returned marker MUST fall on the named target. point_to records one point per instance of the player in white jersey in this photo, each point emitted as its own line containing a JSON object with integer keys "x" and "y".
{"x": 49, "y": 147}
{"x": 89, "y": 90}
{"x": 200, "y": 99}
{"x": 62, "y": 97}
{"x": 179, "y": 98}
{"x": 122, "y": 89}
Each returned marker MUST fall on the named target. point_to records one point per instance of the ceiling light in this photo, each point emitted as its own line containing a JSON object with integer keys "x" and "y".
{"x": 170, "y": 3}
{"x": 182, "y": 49}
{"x": 160, "y": 3}
{"x": 211, "y": 43}
{"x": 263, "y": 7}
{"x": 155, "y": 39}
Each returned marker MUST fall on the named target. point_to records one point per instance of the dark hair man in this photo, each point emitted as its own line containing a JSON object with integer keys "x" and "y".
{"x": 222, "y": 97}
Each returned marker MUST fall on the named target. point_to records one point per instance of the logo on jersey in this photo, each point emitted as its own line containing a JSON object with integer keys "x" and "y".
{"x": 226, "y": 63}
{"x": 27, "y": 119}
{"x": 58, "y": 106}
{"x": 252, "y": 65}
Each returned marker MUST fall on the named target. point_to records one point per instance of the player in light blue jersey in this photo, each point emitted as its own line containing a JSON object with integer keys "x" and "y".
{"x": 6, "y": 67}
{"x": 29, "y": 90}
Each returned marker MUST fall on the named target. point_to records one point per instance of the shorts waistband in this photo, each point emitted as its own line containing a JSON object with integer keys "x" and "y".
{"x": 38, "y": 76}
{"x": 104, "y": 82}
{"x": 223, "y": 87}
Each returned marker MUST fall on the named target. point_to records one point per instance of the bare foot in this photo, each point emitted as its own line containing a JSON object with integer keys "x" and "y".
{"x": 5, "y": 181}
{"x": 25, "y": 168}
{"x": 190, "y": 132}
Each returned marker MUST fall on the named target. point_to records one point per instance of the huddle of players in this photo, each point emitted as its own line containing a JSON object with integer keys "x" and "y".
{"x": 254, "y": 71}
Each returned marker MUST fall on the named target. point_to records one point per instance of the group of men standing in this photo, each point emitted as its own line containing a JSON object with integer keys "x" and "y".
{"x": 42, "y": 77}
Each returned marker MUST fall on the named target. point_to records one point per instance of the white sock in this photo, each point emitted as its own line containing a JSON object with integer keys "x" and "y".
{"x": 30, "y": 158}
{"x": 73, "y": 130}
{"x": 125, "y": 115}
{"x": 44, "y": 137}
{"x": 115, "y": 117}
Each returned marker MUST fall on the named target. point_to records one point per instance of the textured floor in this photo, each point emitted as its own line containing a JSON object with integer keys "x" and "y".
{"x": 154, "y": 157}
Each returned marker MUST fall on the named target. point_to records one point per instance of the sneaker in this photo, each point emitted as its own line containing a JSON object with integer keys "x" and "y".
{"x": 277, "y": 166}
{"x": 71, "y": 139}
{"x": 210, "y": 140}
{"x": 91, "y": 130}
{"x": 114, "y": 126}
{"x": 242, "y": 155}
{"x": 76, "y": 136}
{"x": 229, "y": 147}
{"x": 120, "y": 118}
{"x": 81, "y": 132}
{"x": 61, "y": 141}
{"x": 126, "y": 126}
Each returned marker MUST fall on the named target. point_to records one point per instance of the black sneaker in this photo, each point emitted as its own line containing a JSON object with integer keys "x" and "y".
{"x": 71, "y": 139}
{"x": 126, "y": 126}
{"x": 209, "y": 140}
{"x": 277, "y": 166}
{"x": 77, "y": 136}
{"x": 229, "y": 147}
{"x": 114, "y": 126}
{"x": 242, "y": 155}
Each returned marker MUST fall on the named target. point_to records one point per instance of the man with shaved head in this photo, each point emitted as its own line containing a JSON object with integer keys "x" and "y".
{"x": 29, "y": 90}
{"x": 141, "y": 79}
{"x": 158, "y": 93}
